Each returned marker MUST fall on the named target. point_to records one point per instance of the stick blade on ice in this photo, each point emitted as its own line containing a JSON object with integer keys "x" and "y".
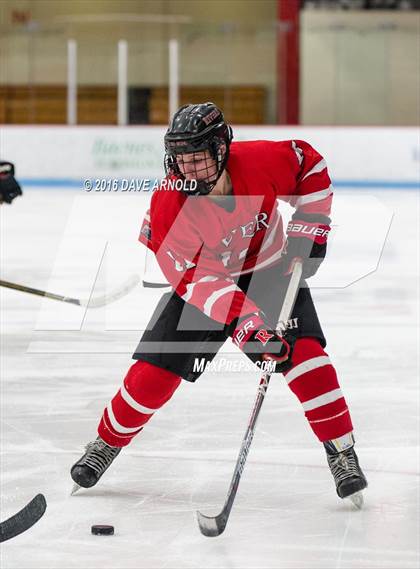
{"x": 24, "y": 519}
{"x": 212, "y": 526}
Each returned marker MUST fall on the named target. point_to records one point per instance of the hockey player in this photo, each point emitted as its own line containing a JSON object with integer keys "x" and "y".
{"x": 9, "y": 188}
{"x": 220, "y": 243}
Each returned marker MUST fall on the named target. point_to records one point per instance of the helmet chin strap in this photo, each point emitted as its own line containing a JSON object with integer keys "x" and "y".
{"x": 203, "y": 188}
{"x": 200, "y": 188}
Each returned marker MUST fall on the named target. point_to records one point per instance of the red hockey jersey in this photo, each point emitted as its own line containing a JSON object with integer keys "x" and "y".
{"x": 202, "y": 247}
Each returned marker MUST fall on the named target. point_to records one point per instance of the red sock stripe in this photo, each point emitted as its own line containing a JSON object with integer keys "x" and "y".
{"x": 314, "y": 383}
{"x": 330, "y": 420}
{"x": 327, "y": 410}
{"x": 112, "y": 437}
{"x": 333, "y": 424}
{"x": 146, "y": 388}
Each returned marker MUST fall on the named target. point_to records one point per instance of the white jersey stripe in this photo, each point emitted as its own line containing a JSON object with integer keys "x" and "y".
{"x": 324, "y": 399}
{"x": 190, "y": 287}
{"x": 298, "y": 151}
{"x": 208, "y": 305}
{"x": 261, "y": 265}
{"x": 314, "y": 197}
{"x": 269, "y": 239}
{"x": 115, "y": 424}
{"x": 133, "y": 403}
{"x": 321, "y": 165}
{"x": 306, "y": 366}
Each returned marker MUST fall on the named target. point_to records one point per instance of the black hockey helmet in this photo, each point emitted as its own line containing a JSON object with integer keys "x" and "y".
{"x": 193, "y": 130}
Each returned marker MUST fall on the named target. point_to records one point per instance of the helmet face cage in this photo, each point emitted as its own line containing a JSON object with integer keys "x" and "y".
{"x": 210, "y": 153}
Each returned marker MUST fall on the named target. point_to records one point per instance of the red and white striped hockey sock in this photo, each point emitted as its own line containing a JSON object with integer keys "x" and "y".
{"x": 145, "y": 389}
{"x": 313, "y": 380}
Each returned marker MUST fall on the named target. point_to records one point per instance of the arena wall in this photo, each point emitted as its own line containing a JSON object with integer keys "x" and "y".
{"x": 65, "y": 156}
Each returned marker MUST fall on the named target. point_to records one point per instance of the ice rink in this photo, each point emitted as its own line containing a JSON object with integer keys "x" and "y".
{"x": 61, "y": 364}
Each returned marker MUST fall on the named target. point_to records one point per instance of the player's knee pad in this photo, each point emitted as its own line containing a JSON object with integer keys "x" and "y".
{"x": 150, "y": 384}
{"x": 305, "y": 349}
{"x": 145, "y": 389}
{"x": 312, "y": 372}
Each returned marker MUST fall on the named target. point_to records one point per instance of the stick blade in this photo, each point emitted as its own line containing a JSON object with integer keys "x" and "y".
{"x": 212, "y": 526}
{"x": 24, "y": 519}
{"x": 150, "y": 284}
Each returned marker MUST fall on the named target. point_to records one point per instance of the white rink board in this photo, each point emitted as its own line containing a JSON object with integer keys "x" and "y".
{"x": 68, "y": 155}
{"x": 55, "y": 384}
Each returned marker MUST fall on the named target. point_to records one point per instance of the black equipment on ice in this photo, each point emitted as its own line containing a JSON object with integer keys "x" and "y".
{"x": 24, "y": 519}
{"x": 9, "y": 188}
{"x": 90, "y": 467}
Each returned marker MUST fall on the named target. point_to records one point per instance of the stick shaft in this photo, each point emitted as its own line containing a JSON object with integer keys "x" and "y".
{"x": 38, "y": 292}
{"x": 247, "y": 440}
{"x": 91, "y": 302}
{"x": 291, "y": 293}
{"x": 215, "y": 526}
{"x": 288, "y": 303}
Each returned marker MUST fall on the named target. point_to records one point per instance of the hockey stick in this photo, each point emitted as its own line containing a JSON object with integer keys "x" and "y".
{"x": 149, "y": 284}
{"x": 92, "y": 302}
{"x": 214, "y": 526}
{"x": 24, "y": 519}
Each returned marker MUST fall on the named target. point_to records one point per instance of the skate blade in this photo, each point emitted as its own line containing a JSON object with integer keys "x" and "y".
{"x": 75, "y": 489}
{"x": 357, "y": 500}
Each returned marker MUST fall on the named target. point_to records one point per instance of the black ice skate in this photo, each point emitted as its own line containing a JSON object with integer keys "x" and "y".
{"x": 88, "y": 470}
{"x": 348, "y": 476}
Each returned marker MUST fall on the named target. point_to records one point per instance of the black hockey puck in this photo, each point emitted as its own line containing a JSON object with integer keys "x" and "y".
{"x": 102, "y": 530}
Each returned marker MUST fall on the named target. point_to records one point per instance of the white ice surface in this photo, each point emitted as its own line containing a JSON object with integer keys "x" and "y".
{"x": 61, "y": 365}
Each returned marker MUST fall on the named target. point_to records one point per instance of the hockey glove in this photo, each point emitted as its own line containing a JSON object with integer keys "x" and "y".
{"x": 306, "y": 238}
{"x": 9, "y": 188}
{"x": 260, "y": 343}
